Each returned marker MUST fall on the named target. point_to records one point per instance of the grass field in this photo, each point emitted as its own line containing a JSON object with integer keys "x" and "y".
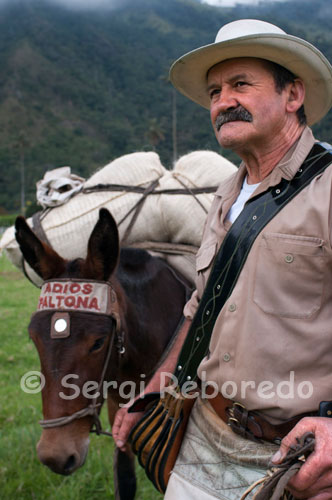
{"x": 22, "y": 476}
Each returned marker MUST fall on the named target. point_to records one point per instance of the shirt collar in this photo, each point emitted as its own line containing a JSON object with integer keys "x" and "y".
{"x": 295, "y": 156}
{"x": 286, "y": 168}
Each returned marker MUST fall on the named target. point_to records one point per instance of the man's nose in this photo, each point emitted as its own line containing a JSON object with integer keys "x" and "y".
{"x": 226, "y": 101}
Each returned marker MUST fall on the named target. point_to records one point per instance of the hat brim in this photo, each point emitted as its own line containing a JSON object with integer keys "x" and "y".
{"x": 189, "y": 73}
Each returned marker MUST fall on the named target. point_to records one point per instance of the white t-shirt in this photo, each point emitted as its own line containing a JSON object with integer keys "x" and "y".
{"x": 245, "y": 193}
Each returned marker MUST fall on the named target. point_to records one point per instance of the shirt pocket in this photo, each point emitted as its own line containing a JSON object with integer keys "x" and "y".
{"x": 289, "y": 275}
{"x": 204, "y": 260}
{"x": 205, "y": 256}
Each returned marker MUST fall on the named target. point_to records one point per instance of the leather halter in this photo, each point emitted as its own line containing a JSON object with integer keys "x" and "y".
{"x": 111, "y": 309}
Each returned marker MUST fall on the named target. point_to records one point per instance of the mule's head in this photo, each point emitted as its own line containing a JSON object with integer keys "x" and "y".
{"x": 73, "y": 351}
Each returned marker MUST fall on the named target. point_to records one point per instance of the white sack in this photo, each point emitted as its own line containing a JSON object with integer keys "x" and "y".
{"x": 183, "y": 216}
{"x": 69, "y": 226}
{"x": 163, "y": 218}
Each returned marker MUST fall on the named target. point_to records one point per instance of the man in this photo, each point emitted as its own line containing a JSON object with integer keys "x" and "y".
{"x": 271, "y": 346}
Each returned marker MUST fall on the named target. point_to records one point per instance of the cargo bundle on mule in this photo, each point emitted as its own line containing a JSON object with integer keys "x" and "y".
{"x": 160, "y": 210}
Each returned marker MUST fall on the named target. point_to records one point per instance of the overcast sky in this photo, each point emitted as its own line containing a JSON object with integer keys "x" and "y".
{"x": 93, "y": 4}
{"x": 80, "y": 4}
{"x": 89, "y": 4}
{"x": 230, "y": 3}
{"x": 108, "y": 3}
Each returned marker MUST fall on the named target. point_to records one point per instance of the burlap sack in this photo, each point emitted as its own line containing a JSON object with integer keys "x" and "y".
{"x": 183, "y": 216}
{"x": 69, "y": 226}
{"x": 172, "y": 218}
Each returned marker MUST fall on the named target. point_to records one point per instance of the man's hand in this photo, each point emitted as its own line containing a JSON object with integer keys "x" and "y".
{"x": 314, "y": 479}
{"x": 123, "y": 423}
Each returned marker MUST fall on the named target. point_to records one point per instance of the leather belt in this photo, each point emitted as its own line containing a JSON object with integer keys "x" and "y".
{"x": 250, "y": 424}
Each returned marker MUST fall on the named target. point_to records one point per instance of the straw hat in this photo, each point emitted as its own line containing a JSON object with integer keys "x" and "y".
{"x": 253, "y": 38}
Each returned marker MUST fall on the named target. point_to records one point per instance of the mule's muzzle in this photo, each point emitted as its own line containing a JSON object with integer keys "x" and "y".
{"x": 65, "y": 468}
{"x": 65, "y": 460}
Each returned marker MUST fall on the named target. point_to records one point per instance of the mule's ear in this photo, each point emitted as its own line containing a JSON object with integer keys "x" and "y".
{"x": 103, "y": 247}
{"x": 43, "y": 260}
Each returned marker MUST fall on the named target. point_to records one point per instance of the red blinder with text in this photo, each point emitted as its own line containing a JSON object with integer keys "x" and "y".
{"x": 75, "y": 296}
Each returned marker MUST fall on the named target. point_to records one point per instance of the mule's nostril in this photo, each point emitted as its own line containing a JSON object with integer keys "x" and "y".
{"x": 70, "y": 464}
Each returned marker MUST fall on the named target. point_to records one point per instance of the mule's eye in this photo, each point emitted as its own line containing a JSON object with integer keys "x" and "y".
{"x": 98, "y": 344}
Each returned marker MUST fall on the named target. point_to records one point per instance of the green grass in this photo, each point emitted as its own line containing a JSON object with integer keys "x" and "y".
{"x": 22, "y": 476}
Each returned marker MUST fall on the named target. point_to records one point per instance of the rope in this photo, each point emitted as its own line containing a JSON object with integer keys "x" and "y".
{"x": 38, "y": 228}
{"x": 191, "y": 191}
{"x": 277, "y": 478}
{"x": 59, "y": 422}
{"x": 139, "y": 189}
{"x": 150, "y": 189}
{"x": 164, "y": 247}
{"x": 137, "y": 208}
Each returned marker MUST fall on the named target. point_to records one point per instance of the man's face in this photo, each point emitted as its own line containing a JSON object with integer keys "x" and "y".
{"x": 246, "y": 110}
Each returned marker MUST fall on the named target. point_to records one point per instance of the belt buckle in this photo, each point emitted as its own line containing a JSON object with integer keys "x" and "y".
{"x": 238, "y": 427}
{"x": 235, "y": 404}
{"x": 232, "y": 420}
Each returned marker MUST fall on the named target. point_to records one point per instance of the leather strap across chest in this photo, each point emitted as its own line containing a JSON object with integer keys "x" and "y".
{"x": 256, "y": 214}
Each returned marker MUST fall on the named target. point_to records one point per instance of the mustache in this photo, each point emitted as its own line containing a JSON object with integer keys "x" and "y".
{"x": 237, "y": 114}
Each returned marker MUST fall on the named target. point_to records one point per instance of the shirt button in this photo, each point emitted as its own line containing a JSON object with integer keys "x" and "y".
{"x": 232, "y": 307}
{"x": 227, "y": 356}
{"x": 289, "y": 258}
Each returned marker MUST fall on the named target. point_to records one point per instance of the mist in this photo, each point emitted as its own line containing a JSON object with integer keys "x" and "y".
{"x": 76, "y": 4}
{"x": 89, "y": 4}
{"x": 80, "y": 5}
{"x": 233, "y": 3}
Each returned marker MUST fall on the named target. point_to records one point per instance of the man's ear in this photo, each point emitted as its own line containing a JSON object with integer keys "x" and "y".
{"x": 296, "y": 95}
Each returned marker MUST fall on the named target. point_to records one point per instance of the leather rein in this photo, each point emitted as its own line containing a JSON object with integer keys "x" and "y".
{"x": 110, "y": 309}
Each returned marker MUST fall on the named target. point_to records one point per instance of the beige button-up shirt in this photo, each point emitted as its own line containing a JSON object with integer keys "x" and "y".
{"x": 271, "y": 347}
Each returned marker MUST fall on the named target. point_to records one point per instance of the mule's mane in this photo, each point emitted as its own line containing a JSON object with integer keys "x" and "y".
{"x": 137, "y": 268}
{"x": 147, "y": 282}
{"x": 134, "y": 256}
{"x": 73, "y": 267}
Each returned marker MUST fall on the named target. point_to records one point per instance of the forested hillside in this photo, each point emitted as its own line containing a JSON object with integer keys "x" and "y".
{"x": 82, "y": 88}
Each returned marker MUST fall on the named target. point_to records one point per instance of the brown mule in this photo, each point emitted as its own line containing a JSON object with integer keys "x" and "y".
{"x": 101, "y": 326}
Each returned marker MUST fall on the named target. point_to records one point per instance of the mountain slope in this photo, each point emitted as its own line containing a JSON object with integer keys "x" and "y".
{"x": 82, "y": 88}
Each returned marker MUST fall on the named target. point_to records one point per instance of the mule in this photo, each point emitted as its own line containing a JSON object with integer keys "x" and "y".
{"x": 85, "y": 344}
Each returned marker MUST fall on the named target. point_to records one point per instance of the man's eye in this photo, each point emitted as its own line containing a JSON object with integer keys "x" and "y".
{"x": 214, "y": 93}
{"x": 240, "y": 84}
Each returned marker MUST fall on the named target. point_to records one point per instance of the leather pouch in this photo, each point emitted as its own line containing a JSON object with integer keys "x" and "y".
{"x": 156, "y": 439}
